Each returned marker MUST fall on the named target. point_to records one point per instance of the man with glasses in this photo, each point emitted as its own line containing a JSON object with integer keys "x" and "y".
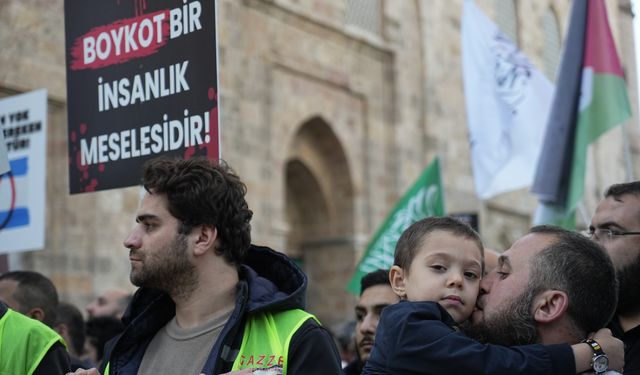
{"x": 616, "y": 226}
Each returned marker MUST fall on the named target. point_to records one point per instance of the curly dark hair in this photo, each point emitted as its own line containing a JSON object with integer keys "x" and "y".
{"x": 201, "y": 191}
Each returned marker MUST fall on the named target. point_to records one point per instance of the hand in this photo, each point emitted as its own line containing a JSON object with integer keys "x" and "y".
{"x": 247, "y": 371}
{"x": 91, "y": 371}
{"x": 612, "y": 347}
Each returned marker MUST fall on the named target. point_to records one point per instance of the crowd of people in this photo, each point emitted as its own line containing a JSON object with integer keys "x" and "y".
{"x": 210, "y": 302}
{"x": 65, "y": 340}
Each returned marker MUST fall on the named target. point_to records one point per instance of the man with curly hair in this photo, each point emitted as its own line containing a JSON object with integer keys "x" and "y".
{"x": 209, "y": 301}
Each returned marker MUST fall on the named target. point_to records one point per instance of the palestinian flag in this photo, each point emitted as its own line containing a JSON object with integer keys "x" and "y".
{"x": 590, "y": 99}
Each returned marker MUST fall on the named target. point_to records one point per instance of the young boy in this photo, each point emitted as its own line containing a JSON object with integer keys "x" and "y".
{"x": 437, "y": 269}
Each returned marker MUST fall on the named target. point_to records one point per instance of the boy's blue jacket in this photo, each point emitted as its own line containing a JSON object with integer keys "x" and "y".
{"x": 420, "y": 338}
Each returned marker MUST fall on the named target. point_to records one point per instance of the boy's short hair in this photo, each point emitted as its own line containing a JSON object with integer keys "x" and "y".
{"x": 416, "y": 233}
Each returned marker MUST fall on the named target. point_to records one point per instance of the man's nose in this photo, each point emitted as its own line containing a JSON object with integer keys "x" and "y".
{"x": 369, "y": 324}
{"x": 485, "y": 283}
{"x": 132, "y": 241}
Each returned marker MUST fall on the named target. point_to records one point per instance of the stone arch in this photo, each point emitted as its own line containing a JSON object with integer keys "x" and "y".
{"x": 307, "y": 209}
{"x": 319, "y": 215}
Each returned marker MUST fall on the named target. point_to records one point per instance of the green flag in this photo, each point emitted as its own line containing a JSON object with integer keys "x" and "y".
{"x": 424, "y": 198}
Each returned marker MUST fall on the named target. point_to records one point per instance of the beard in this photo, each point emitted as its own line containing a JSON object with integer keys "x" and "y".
{"x": 168, "y": 269}
{"x": 629, "y": 284}
{"x": 513, "y": 325}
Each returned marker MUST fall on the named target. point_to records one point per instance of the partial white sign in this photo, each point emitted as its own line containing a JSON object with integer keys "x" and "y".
{"x": 23, "y": 122}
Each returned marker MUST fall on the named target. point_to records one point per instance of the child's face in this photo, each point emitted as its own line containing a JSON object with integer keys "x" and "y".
{"x": 446, "y": 269}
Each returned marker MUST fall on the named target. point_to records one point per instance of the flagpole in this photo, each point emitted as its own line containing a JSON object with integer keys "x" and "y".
{"x": 582, "y": 209}
{"x": 627, "y": 154}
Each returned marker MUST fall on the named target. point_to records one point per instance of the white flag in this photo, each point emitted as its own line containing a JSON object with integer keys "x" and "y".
{"x": 507, "y": 100}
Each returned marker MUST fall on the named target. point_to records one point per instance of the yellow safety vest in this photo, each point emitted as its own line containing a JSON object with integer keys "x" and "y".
{"x": 23, "y": 343}
{"x": 266, "y": 339}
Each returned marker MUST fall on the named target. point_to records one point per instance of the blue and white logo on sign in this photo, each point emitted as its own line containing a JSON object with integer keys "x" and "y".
{"x": 13, "y": 185}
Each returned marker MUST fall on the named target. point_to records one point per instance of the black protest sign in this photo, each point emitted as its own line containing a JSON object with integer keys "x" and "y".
{"x": 141, "y": 83}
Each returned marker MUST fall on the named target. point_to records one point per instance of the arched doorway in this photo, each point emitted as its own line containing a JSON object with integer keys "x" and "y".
{"x": 319, "y": 214}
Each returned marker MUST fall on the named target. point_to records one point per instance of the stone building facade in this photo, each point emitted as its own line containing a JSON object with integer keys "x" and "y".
{"x": 330, "y": 109}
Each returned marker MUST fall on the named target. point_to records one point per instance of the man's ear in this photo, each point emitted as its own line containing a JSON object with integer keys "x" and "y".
{"x": 549, "y": 306}
{"x": 396, "y": 278}
{"x": 36, "y": 313}
{"x": 207, "y": 235}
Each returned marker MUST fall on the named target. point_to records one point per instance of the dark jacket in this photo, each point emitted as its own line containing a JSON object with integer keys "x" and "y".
{"x": 631, "y": 340}
{"x": 269, "y": 281}
{"x": 353, "y": 368}
{"x": 421, "y": 338}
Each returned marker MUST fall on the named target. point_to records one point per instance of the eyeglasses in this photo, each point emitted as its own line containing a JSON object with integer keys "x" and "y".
{"x": 608, "y": 234}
